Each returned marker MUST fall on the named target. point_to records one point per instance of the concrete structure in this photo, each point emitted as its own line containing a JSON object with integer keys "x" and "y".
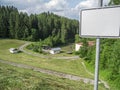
{"x": 55, "y": 50}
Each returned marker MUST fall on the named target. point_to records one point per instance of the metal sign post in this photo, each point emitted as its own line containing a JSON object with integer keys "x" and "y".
{"x": 96, "y": 78}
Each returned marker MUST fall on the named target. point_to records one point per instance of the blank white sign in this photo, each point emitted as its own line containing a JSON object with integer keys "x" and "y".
{"x": 100, "y": 22}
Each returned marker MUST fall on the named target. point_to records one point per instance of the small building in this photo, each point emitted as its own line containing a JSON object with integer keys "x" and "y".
{"x": 77, "y": 46}
{"x": 55, "y": 50}
{"x": 13, "y": 50}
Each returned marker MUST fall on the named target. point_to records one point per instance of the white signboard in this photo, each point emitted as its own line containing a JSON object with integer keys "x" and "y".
{"x": 100, "y": 22}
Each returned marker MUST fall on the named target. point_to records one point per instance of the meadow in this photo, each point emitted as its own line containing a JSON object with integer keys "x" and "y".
{"x": 23, "y": 79}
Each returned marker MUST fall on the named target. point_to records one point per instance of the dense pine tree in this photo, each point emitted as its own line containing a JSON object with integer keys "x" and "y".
{"x": 14, "y": 24}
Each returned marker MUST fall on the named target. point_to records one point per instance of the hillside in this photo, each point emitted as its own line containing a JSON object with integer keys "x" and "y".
{"x": 18, "y": 25}
{"x": 54, "y": 30}
{"x": 15, "y": 73}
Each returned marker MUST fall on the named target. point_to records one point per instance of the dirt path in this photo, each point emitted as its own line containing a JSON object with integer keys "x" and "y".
{"x": 101, "y": 81}
{"x": 50, "y": 72}
{"x": 44, "y": 56}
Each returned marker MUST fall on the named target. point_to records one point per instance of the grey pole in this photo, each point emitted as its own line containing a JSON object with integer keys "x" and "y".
{"x": 100, "y": 3}
{"x": 97, "y": 64}
{"x": 96, "y": 78}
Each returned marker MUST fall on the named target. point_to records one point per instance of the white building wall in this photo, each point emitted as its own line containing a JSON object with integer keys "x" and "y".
{"x": 77, "y": 47}
{"x": 52, "y": 52}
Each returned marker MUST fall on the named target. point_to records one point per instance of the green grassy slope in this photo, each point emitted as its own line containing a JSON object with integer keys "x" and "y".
{"x": 21, "y": 78}
{"x": 67, "y": 66}
{"x": 12, "y": 78}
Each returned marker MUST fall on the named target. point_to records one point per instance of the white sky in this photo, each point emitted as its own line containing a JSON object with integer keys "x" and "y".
{"x": 67, "y": 8}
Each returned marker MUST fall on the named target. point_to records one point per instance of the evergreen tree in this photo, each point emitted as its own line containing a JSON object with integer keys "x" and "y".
{"x": 34, "y": 34}
{"x": 114, "y": 2}
{"x": 63, "y": 32}
{"x": 115, "y": 61}
{"x": 14, "y": 24}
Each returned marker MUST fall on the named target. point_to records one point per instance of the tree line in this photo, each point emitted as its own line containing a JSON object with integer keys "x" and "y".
{"x": 109, "y": 56}
{"x": 19, "y": 25}
{"x": 109, "y": 59}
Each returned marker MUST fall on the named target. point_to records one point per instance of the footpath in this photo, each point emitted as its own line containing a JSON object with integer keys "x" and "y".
{"x": 49, "y": 72}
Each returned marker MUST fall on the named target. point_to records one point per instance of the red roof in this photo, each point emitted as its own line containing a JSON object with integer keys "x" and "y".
{"x": 90, "y": 43}
{"x": 80, "y": 43}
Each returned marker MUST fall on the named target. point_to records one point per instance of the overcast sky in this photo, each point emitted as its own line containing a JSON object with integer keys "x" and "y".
{"x": 67, "y": 8}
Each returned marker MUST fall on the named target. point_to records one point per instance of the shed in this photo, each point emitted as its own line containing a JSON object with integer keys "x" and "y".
{"x": 55, "y": 50}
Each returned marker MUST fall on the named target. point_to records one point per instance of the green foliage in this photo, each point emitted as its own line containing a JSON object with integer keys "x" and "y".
{"x": 115, "y": 83}
{"x": 34, "y": 27}
{"x": 34, "y": 34}
{"x": 48, "y": 41}
{"x": 77, "y": 38}
{"x": 86, "y": 51}
{"x": 115, "y": 62}
{"x": 109, "y": 59}
{"x": 91, "y": 54}
{"x": 114, "y": 2}
{"x": 37, "y": 47}
{"x": 83, "y": 52}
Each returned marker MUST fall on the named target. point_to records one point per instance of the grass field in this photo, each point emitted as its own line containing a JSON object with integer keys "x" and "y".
{"x": 66, "y": 66}
{"x": 12, "y": 78}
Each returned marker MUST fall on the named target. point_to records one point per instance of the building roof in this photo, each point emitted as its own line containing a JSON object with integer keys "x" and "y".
{"x": 55, "y": 49}
{"x": 90, "y": 43}
{"x": 79, "y": 43}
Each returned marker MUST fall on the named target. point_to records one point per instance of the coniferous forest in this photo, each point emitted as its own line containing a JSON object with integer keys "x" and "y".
{"x": 18, "y": 25}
